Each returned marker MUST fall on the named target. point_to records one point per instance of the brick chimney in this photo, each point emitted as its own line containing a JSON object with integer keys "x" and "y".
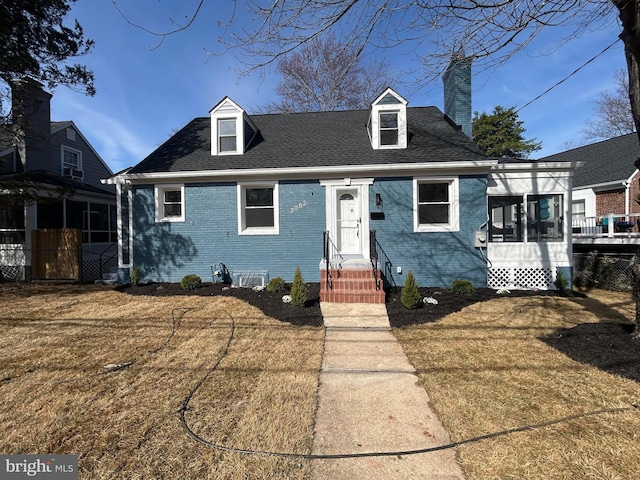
{"x": 457, "y": 92}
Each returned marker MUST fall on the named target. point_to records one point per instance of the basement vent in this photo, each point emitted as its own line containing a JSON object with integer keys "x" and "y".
{"x": 249, "y": 278}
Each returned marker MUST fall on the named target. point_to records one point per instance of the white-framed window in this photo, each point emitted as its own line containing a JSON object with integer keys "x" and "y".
{"x": 71, "y": 162}
{"x": 578, "y": 209}
{"x": 258, "y": 212}
{"x": 169, "y": 203}
{"x": 545, "y": 222}
{"x": 435, "y": 201}
{"x": 389, "y": 128}
{"x": 227, "y": 135}
{"x": 540, "y": 216}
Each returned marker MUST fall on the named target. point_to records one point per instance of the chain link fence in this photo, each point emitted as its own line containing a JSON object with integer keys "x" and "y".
{"x": 16, "y": 264}
{"x": 609, "y": 272}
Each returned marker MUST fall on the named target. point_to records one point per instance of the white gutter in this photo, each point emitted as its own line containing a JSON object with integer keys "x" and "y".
{"x": 315, "y": 172}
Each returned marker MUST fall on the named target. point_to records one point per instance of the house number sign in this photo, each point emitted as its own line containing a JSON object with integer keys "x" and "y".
{"x": 298, "y": 206}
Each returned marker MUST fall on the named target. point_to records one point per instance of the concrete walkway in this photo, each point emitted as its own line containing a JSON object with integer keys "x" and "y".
{"x": 370, "y": 400}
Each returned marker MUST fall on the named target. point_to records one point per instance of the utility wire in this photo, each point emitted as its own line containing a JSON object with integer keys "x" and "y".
{"x": 567, "y": 77}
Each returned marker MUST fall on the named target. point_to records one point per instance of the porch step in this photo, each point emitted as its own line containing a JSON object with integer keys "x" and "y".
{"x": 350, "y": 285}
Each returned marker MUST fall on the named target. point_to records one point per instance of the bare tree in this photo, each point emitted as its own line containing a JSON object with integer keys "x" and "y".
{"x": 613, "y": 115}
{"x": 324, "y": 75}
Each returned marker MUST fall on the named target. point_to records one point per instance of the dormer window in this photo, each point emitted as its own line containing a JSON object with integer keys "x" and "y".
{"x": 389, "y": 128}
{"x": 227, "y": 135}
{"x": 387, "y": 125}
{"x": 231, "y": 129}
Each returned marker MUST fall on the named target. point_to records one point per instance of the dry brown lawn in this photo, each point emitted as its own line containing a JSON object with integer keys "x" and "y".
{"x": 58, "y": 397}
{"x": 487, "y": 369}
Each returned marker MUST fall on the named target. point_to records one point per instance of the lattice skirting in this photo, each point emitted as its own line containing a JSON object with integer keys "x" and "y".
{"x": 13, "y": 273}
{"x": 521, "y": 278}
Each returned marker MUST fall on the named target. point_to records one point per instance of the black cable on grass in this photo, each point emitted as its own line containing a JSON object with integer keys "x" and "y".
{"x": 114, "y": 367}
{"x": 185, "y": 405}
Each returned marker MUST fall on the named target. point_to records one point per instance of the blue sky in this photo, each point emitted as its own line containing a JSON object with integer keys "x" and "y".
{"x": 145, "y": 93}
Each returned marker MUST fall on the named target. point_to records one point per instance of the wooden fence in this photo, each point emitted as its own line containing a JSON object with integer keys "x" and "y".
{"x": 56, "y": 254}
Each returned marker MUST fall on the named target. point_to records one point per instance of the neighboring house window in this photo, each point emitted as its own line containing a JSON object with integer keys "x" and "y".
{"x": 12, "y": 226}
{"x": 544, "y": 218}
{"x": 389, "y": 128}
{"x": 227, "y": 135}
{"x": 258, "y": 209}
{"x": 170, "y": 206}
{"x": 71, "y": 162}
{"x": 436, "y": 204}
{"x": 578, "y": 209}
{"x": 543, "y": 214}
{"x": 505, "y": 218}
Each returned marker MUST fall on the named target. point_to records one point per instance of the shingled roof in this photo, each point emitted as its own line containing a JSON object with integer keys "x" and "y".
{"x": 322, "y": 139}
{"x": 609, "y": 161}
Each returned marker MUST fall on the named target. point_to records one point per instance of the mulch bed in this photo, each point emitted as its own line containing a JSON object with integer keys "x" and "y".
{"x": 610, "y": 347}
{"x": 272, "y": 305}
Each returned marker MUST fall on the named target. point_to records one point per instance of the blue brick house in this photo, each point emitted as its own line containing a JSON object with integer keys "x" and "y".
{"x": 356, "y": 199}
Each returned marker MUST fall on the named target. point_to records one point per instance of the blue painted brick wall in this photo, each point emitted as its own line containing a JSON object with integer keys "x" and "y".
{"x": 435, "y": 258}
{"x": 209, "y": 235}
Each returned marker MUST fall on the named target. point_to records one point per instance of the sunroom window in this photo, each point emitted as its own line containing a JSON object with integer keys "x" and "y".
{"x": 505, "y": 218}
{"x": 539, "y": 215}
{"x": 544, "y": 218}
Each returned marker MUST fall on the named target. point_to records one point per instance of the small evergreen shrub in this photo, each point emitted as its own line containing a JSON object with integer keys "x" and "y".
{"x": 299, "y": 289}
{"x": 410, "y": 296}
{"x": 561, "y": 281}
{"x": 135, "y": 276}
{"x": 462, "y": 287}
{"x": 276, "y": 284}
{"x": 190, "y": 282}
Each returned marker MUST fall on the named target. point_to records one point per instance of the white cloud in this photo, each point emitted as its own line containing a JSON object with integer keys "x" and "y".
{"x": 117, "y": 144}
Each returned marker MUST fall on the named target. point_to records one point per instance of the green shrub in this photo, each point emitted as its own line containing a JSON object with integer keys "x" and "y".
{"x": 276, "y": 284}
{"x": 135, "y": 276}
{"x": 410, "y": 296}
{"x": 561, "y": 281}
{"x": 190, "y": 282}
{"x": 299, "y": 289}
{"x": 462, "y": 287}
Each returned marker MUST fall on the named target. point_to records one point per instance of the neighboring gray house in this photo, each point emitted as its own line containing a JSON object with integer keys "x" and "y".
{"x": 51, "y": 156}
{"x": 354, "y": 198}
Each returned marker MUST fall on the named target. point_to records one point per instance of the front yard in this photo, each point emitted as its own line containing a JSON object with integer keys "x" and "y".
{"x": 103, "y": 374}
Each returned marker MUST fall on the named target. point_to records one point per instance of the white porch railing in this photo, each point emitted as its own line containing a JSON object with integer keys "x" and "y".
{"x": 611, "y": 225}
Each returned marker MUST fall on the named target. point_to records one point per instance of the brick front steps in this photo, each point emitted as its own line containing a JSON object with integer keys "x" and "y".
{"x": 351, "y": 285}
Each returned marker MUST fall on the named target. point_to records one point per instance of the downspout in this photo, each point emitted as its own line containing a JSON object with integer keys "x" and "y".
{"x": 627, "y": 193}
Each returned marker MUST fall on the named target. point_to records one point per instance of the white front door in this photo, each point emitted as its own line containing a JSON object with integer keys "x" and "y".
{"x": 349, "y": 222}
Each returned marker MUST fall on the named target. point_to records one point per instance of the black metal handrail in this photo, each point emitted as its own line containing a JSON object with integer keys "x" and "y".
{"x": 329, "y": 251}
{"x": 379, "y": 257}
